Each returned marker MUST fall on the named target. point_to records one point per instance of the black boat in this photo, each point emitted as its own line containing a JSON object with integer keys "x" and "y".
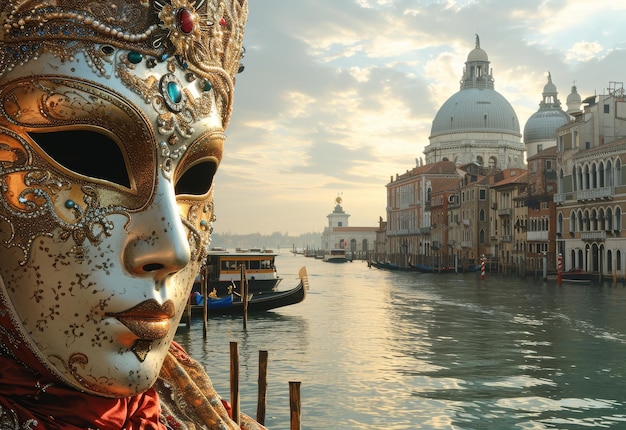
{"x": 257, "y": 302}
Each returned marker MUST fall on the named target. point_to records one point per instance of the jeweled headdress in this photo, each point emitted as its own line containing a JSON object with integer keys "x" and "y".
{"x": 205, "y": 36}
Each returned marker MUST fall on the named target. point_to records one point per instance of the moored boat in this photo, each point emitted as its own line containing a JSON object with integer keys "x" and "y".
{"x": 335, "y": 255}
{"x": 232, "y": 304}
{"x": 224, "y": 271}
{"x": 578, "y": 275}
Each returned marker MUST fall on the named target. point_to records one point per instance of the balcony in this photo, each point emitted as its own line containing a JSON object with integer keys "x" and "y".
{"x": 425, "y": 231}
{"x": 435, "y": 244}
{"x": 466, "y": 244}
{"x": 596, "y": 193}
{"x": 593, "y": 235}
{"x": 466, "y": 222}
{"x": 506, "y": 238}
{"x": 505, "y": 212}
{"x": 537, "y": 236}
{"x": 559, "y": 198}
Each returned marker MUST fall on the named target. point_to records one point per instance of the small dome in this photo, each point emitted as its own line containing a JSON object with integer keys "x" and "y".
{"x": 549, "y": 88}
{"x": 477, "y": 54}
{"x": 475, "y": 109}
{"x": 574, "y": 97}
{"x": 542, "y": 125}
{"x": 574, "y": 101}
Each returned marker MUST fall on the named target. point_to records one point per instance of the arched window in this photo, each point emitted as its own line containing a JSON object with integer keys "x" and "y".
{"x": 609, "y": 219}
{"x": 601, "y": 174}
{"x": 618, "y": 219}
{"x": 481, "y": 236}
{"x": 572, "y": 222}
{"x": 609, "y": 261}
{"x": 618, "y": 259}
{"x": 559, "y": 224}
{"x": 618, "y": 172}
{"x": 581, "y": 221}
{"x": 365, "y": 246}
{"x": 601, "y": 219}
{"x": 593, "y": 220}
{"x": 608, "y": 173}
{"x": 481, "y": 215}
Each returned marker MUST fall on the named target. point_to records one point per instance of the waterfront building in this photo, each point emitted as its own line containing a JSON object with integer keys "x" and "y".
{"x": 541, "y": 224}
{"x": 444, "y": 231}
{"x": 591, "y": 185}
{"x": 408, "y": 211}
{"x": 357, "y": 241}
{"x": 540, "y": 129}
{"x": 475, "y": 204}
{"x": 509, "y": 189}
{"x": 476, "y": 124}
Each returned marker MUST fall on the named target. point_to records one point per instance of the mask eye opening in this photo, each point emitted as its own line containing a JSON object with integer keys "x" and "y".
{"x": 197, "y": 180}
{"x": 85, "y": 152}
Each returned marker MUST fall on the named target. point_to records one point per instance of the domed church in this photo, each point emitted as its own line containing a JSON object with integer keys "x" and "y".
{"x": 477, "y": 124}
{"x": 540, "y": 129}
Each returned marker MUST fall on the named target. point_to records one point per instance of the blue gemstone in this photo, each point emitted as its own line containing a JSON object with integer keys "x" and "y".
{"x": 207, "y": 86}
{"x": 69, "y": 204}
{"x": 175, "y": 92}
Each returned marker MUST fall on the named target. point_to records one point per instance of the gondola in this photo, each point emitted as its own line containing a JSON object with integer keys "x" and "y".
{"x": 257, "y": 302}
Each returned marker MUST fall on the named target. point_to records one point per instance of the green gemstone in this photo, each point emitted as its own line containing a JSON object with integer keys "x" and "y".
{"x": 207, "y": 86}
{"x": 135, "y": 57}
{"x": 69, "y": 204}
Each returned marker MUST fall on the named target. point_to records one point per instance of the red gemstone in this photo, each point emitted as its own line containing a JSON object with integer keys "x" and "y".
{"x": 223, "y": 22}
{"x": 186, "y": 21}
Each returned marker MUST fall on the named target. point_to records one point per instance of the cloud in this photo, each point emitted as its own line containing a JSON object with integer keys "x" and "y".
{"x": 340, "y": 96}
{"x": 585, "y": 51}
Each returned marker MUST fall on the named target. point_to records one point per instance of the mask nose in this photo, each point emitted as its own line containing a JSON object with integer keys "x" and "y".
{"x": 157, "y": 242}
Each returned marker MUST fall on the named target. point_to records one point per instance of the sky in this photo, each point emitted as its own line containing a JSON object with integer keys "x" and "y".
{"x": 338, "y": 96}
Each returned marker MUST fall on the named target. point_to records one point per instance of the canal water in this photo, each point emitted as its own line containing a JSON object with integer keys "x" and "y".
{"x": 396, "y": 350}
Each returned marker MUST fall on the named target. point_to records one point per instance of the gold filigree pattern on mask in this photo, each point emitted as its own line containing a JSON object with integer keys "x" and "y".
{"x": 37, "y": 197}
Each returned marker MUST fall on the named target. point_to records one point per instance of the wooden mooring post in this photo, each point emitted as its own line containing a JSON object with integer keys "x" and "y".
{"x": 234, "y": 382}
{"x": 262, "y": 396}
{"x": 244, "y": 296}
{"x": 294, "y": 405}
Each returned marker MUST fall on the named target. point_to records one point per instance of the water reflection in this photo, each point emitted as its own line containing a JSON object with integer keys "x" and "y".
{"x": 376, "y": 349}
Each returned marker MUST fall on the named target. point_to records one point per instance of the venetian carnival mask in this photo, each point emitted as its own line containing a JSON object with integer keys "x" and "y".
{"x": 112, "y": 117}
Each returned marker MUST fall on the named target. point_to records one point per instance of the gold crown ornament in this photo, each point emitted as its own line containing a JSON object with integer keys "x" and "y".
{"x": 202, "y": 37}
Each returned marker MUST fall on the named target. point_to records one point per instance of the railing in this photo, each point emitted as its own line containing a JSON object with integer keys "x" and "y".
{"x": 537, "y": 235}
{"x": 506, "y": 238}
{"x": 559, "y": 198}
{"x": 593, "y": 235}
{"x": 505, "y": 212}
{"x": 596, "y": 193}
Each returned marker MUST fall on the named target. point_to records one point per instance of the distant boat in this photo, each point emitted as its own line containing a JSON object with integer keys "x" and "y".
{"x": 335, "y": 255}
{"x": 390, "y": 266}
{"x": 578, "y": 275}
{"x": 224, "y": 271}
{"x": 444, "y": 269}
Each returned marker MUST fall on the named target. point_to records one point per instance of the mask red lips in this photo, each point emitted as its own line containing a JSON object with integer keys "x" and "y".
{"x": 148, "y": 320}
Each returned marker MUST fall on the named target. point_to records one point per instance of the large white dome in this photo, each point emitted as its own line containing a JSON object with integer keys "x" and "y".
{"x": 475, "y": 109}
